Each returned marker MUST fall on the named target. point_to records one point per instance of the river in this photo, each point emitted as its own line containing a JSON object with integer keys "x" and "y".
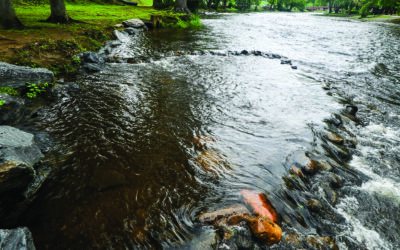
{"x": 130, "y": 170}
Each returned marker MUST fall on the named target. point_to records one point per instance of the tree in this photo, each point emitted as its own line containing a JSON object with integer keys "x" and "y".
{"x": 8, "y": 18}
{"x": 58, "y": 12}
{"x": 181, "y": 6}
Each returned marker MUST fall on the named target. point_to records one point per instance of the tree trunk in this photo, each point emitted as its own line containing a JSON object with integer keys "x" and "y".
{"x": 8, "y": 18}
{"x": 209, "y": 2}
{"x": 181, "y": 6}
{"x": 58, "y": 12}
{"x": 330, "y": 6}
{"x": 158, "y": 4}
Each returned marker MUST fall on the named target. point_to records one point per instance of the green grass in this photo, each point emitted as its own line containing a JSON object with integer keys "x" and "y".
{"x": 90, "y": 13}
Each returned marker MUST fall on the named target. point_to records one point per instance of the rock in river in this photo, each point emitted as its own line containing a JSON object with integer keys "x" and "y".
{"x": 18, "y": 154}
{"x": 265, "y": 230}
{"x": 14, "y": 239}
{"x": 134, "y": 23}
{"x": 16, "y": 76}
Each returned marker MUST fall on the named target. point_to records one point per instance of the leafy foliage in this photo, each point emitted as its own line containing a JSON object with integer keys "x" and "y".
{"x": 9, "y": 91}
{"x": 36, "y": 89}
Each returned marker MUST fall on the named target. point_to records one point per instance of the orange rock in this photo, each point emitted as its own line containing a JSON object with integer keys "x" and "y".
{"x": 266, "y": 230}
{"x": 260, "y": 204}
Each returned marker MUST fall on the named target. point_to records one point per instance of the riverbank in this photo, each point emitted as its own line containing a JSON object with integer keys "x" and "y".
{"x": 53, "y": 46}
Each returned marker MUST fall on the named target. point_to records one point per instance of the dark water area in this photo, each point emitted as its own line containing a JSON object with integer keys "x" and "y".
{"x": 131, "y": 173}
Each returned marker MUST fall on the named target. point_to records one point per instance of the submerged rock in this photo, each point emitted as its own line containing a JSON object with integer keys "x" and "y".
{"x": 17, "y": 76}
{"x": 15, "y": 239}
{"x": 260, "y": 204}
{"x": 18, "y": 154}
{"x": 224, "y": 213}
{"x": 212, "y": 162}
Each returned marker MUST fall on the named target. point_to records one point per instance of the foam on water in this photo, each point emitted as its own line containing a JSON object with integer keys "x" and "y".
{"x": 348, "y": 207}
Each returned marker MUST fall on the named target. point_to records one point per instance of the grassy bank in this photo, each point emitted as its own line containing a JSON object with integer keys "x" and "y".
{"x": 53, "y": 46}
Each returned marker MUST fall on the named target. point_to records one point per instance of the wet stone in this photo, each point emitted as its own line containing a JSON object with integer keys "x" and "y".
{"x": 244, "y": 52}
{"x": 134, "y": 23}
{"x": 314, "y": 205}
{"x": 213, "y": 217}
{"x": 335, "y": 181}
{"x": 324, "y": 166}
{"x": 351, "y": 109}
{"x": 265, "y": 230}
{"x": 131, "y": 31}
{"x": 335, "y": 138}
{"x": 294, "y": 170}
{"x": 330, "y": 195}
{"x": 286, "y": 62}
{"x": 316, "y": 242}
{"x": 15, "y": 239}
{"x": 17, "y": 76}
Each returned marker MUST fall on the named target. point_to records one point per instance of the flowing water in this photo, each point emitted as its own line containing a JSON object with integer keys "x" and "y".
{"x": 131, "y": 165}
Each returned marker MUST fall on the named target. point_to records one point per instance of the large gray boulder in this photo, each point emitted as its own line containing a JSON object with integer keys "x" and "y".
{"x": 18, "y": 154}
{"x": 134, "y": 23}
{"x": 17, "y": 76}
{"x": 16, "y": 239}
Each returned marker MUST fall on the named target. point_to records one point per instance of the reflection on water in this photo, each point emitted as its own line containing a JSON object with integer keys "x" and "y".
{"x": 133, "y": 173}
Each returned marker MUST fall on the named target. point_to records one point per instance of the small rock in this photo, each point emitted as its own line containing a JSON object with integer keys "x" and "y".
{"x": 286, "y": 62}
{"x": 335, "y": 181}
{"x": 227, "y": 244}
{"x": 308, "y": 165}
{"x": 236, "y": 219}
{"x": 352, "y": 109}
{"x": 131, "y": 31}
{"x": 266, "y": 230}
{"x": 19, "y": 238}
{"x": 324, "y": 166}
{"x": 296, "y": 171}
{"x": 134, "y": 23}
{"x": 293, "y": 239}
{"x": 316, "y": 242}
{"x": 119, "y": 26}
{"x": 212, "y": 217}
{"x": 244, "y": 52}
{"x": 91, "y": 57}
{"x": 294, "y": 67}
{"x": 314, "y": 205}
{"x": 333, "y": 137}
{"x": 330, "y": 195}
{"x": 257, "y": 53}
{"x": 92, "y": 67}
